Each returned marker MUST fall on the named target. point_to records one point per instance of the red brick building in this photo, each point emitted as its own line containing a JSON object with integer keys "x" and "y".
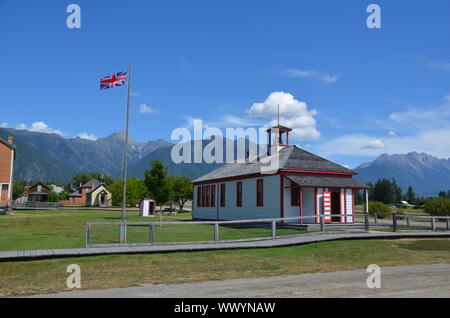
{"x": 7, "y": 157}
{"x": 92, "y": 193}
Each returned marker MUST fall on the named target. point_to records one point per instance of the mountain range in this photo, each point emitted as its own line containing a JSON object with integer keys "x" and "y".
{"x": 427, "y": 175}
{"x": 50, "y": 157}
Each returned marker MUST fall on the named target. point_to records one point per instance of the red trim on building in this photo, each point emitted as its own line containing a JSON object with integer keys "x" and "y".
{"x": 318, "y": 172}
{"x": 345, "y": 205}
{"x": 301, "y": 204}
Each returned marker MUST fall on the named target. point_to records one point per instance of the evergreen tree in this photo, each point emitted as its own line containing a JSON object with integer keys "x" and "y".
{"x": 410, "y": 195}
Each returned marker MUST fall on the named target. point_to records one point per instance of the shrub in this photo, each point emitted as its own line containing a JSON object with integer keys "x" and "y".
{"x": 437, "y": 206}
{"x": 381, "y": 209}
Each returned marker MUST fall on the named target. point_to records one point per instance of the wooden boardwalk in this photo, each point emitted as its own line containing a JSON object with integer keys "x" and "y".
{"x": 279, "y": 242}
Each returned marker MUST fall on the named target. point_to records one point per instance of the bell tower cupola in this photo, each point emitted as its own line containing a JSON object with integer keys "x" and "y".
{"x": 278, "y": 136}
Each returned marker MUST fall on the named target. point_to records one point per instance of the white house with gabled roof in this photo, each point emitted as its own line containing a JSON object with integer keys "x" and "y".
{"x": 303, "y": 185}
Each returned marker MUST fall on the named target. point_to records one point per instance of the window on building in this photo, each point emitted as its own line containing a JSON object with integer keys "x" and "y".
{"x": 199, "y": 197}
{"x": 208, "y": 196}
{"x": 203, "y": 196}
{"x": 5, "y": 187}
{"x": 295, "y": 195}
{"x": 222, "y": 194}
{"x": 239, "y": 194}
{"x": 260, "y": 192}
{"x": 213, "y": 195}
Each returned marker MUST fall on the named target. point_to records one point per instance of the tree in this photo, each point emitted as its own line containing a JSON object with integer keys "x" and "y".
{"x": 157, "y": 182}
{"x": 442, "y": 194}
{"x": 410, "y": 195}
{"x": 182, "y": 190}
{"x": 437, "y": 206}
{"x": 397, "y": 191}
{"x": 136, "y": 190}
{"x": 53, "y": 196}
{"x": 383, "y": 192}
{"x": 18, "y": 189}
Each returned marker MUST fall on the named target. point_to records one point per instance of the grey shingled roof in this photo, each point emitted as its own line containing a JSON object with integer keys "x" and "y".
{"x": 328, "y": 182}
{"x": 89, "y": 184}
{"x": 75, "y": 194}
{"x": 291, "y": 158}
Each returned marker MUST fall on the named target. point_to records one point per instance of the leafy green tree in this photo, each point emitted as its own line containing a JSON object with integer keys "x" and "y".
{"x": 53, "y": 196}
{"x": 157, "y": 183}
{"x": 18, "y": 189}
{"x": 182, "y": 190}
{"x": 381, "y": 209}
{"x": 136, "y": 190}
{"x": 437, "y": 206}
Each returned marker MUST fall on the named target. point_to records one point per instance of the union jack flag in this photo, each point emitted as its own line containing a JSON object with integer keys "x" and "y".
{"x": 114, "y": 80}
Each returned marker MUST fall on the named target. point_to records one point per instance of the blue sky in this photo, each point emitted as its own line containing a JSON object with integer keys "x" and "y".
{"x": 351, "y": 92}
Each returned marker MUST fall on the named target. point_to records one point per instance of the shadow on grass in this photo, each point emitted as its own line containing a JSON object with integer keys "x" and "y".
{"x": 427, "y": 245}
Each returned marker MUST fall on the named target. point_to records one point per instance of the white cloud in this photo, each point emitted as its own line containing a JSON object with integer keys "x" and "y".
{"x": 145, "y": 109}
{"x": 3, "y": 125}
{"x": 293, "y": 114}
{"x": 392, "y": 133}
{"x": 435, "y": 142}
{"x": 87, "y": 136}
{"x": 190, "y": 122}
{"x": 354, "y": 144}
{"x": 40, "y": 127}
{"x": 238, "y": 121}
{"x": 374, "y": 144}
{"x": 325, "y": 77}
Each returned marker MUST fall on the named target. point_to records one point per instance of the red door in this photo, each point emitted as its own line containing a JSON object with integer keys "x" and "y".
{"x": 327, "y": 206}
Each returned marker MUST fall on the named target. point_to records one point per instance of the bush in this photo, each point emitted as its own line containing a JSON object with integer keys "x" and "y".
{"x": 437, "y": 206}
{"x": 381, "y": 209}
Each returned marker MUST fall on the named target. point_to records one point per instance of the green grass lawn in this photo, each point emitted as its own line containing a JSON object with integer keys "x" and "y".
{"x": 112, "y": 271}
{"x": 30, "y": 230}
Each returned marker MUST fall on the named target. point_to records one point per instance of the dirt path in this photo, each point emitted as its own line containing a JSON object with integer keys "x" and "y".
{"x": 404, "y": 281}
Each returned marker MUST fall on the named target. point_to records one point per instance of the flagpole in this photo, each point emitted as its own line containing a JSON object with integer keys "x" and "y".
{"x": 125, "y": 155}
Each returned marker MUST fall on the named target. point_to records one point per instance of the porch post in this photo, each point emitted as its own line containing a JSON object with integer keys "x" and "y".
{"x": 367, "y": 200}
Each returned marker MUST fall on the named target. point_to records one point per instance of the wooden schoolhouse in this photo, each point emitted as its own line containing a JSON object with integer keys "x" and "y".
{"x": 303, "y": 185}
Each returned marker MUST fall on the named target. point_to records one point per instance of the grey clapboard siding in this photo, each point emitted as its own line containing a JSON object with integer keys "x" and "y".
{"x": 249, "y": 210}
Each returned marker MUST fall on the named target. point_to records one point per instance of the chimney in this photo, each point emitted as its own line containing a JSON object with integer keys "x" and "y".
{"x": 11, "y": 140}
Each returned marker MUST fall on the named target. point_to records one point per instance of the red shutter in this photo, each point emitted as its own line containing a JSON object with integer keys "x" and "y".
{"x": 327, "y": 206}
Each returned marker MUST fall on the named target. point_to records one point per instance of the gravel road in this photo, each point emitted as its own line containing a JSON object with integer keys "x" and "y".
{"x": 404, "y": 281}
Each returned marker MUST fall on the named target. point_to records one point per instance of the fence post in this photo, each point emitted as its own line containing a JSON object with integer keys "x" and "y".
{"x": 88, "y": 235}
{"x": 322, "y": 223}
{"x": 448, "y": 223}
{"x": 375, "y": 217}
{"x": 152, "y": 233}
{"x": 408, "y": 223}
{"x": 123, "y": 233}
{"x": 433, "y": 224}
{"x": 274, "y": 229}
{"x": 394, "y": 222}
{"x": 366, "y": 222}
{"x": 216, "y": 232}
